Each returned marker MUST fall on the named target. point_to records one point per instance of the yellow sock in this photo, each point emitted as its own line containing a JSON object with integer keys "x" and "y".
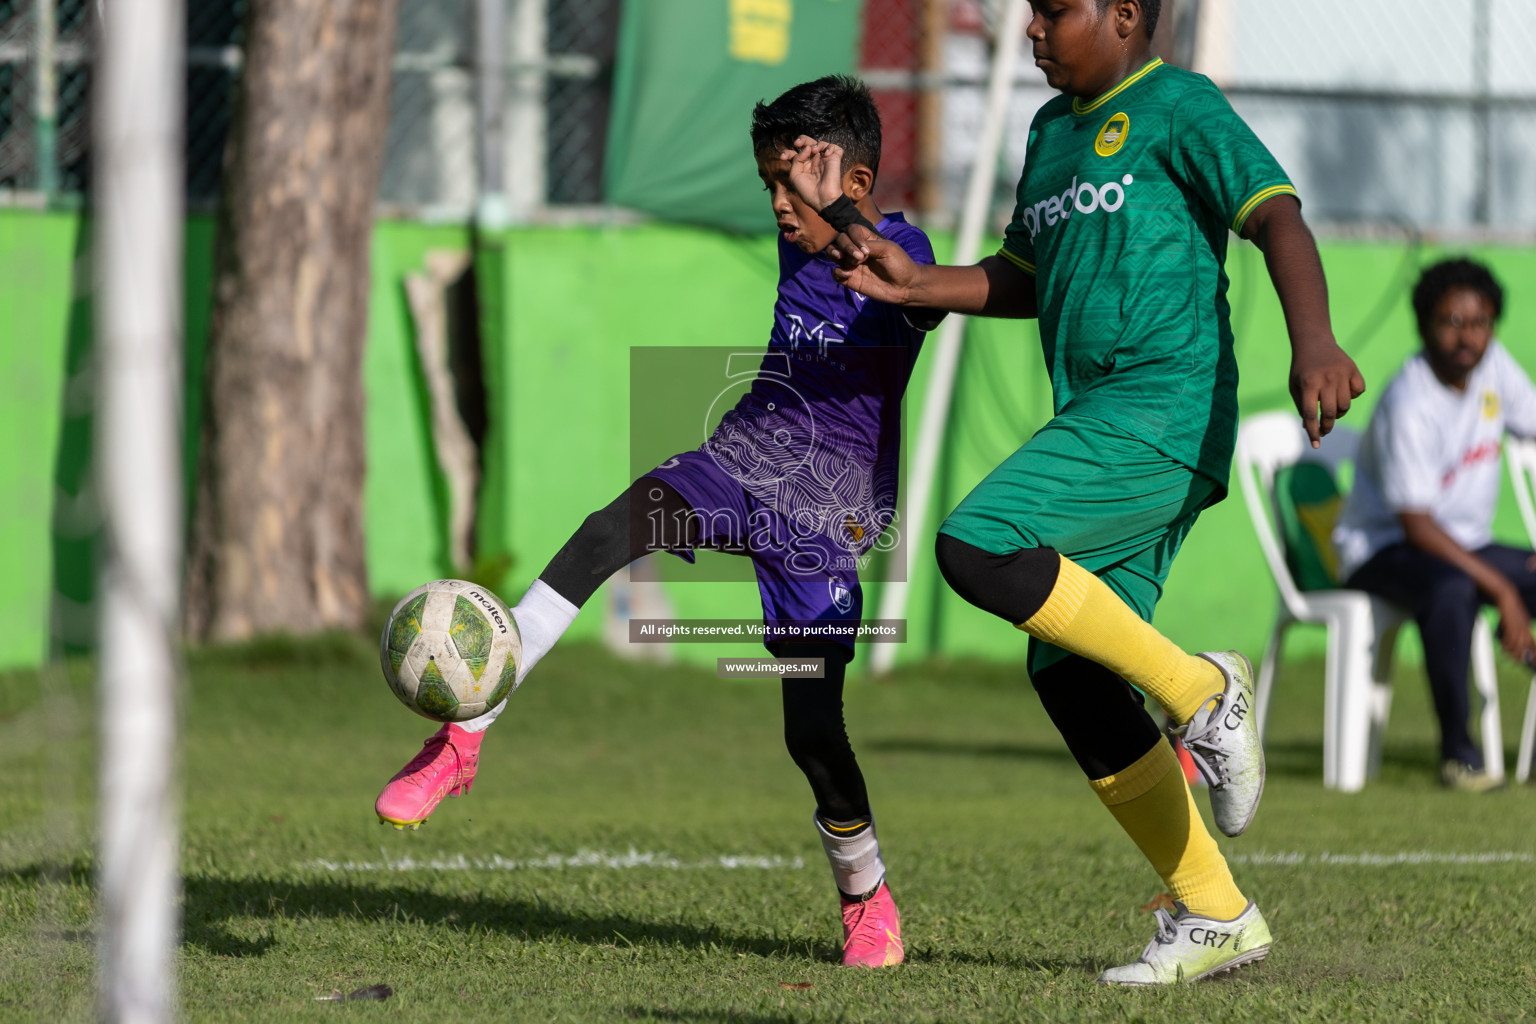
{"x": 1084, "y": 616}
{"x": 1153, "y": 804}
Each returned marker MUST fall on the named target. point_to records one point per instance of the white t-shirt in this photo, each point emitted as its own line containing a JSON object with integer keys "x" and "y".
{"x": 1431, "y": 448}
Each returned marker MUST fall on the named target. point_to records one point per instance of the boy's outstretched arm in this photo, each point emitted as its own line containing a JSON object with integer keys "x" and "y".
{"x": 882, "y": 270}
{"x": 1324, "y": 380}
{"x": 992, "y": 287}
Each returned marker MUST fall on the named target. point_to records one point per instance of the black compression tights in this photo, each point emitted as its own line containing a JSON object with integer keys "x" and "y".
{"x": 627, "y": 528}
{"x": 1100, "y": 715}
{"x": 816, "y": 736}
{"x": 612, "y": 537}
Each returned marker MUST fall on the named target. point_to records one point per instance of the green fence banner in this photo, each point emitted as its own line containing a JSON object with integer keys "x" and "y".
{"x": 687, "y": 76}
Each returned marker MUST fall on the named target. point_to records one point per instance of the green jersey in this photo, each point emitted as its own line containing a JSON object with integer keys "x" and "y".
{"x": 1123, "y": 214}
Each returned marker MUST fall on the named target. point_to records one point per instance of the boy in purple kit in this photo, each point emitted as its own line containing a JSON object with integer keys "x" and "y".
{"x": 800, "y": 476}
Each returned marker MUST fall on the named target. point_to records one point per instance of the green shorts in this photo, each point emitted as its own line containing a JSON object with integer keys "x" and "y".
{"x": 1109, "y": 501}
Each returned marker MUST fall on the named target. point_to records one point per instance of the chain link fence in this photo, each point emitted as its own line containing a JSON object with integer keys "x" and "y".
{"x": 18, "y": 135}
{"x": 559, "y": 64}
{"x": 213, "y": 65}
{"x": 1417, "y": 113}
{"x": 1397, "y": 116}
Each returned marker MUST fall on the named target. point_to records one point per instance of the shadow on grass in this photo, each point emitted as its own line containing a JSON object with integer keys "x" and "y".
{"x": 1303, "y": 759}
{"x": 1010, "y": 961}
{"x": 1054, "y": 753}
{"x": 683, "y": 1016}
{"x": 212, "y": 902}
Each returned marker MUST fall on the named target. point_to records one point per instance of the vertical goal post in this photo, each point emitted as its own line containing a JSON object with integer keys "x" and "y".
{"x": 138, "y": 103}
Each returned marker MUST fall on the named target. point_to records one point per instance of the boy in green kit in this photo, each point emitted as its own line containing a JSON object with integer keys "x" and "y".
{"x": 1131, "y": 183}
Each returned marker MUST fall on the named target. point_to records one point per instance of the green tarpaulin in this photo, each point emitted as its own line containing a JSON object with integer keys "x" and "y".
{"x": 688, "y": 74}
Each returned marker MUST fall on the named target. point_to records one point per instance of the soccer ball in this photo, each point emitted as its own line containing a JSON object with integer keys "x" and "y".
{"x": 450, "y": 650}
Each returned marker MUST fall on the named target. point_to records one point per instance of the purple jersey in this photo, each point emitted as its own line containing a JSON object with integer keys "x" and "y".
{"x": 816, "y": 436}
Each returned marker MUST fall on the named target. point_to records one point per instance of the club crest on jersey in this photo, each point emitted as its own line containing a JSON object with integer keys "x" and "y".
{"x": 1112, "y": 135}
{"x": 1490, "y": 405}
{"x": 842, "y": 597}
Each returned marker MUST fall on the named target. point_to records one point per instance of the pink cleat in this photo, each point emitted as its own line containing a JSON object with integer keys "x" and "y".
{"x": 445, "y": 767}
{"x": 872, "y": 931}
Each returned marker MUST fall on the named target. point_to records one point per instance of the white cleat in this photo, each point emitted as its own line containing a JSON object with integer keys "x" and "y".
{"x": 1189, "y": 947}
{"x": 1223, "y": 740}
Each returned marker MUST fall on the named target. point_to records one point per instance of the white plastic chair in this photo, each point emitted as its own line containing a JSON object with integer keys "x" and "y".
{"x": 1362, "y": 628}
{"x": 1522, "y": 475}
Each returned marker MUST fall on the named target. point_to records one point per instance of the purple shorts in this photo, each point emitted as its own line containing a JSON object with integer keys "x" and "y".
{"x": 808, "y": 582}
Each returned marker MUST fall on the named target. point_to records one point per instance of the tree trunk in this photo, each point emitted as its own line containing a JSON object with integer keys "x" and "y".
{"x": 277, "y": 530}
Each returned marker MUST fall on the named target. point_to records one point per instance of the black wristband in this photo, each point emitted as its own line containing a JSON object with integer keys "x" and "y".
{"x": 843, "y": 214}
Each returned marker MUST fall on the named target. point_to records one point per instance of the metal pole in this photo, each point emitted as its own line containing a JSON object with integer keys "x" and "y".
{"x": 45, "y": 105}
{"x": 1186, "y": 29}
{"x": 138, "y": 136}
{"x": 1482, "y": 75}
{"x": 946, "y": 360}
{"x": 526, "y": 141}
{"x": 1213, "y": 41}
{"x": 930, "y": 110}
{"x": 490, "y": 107}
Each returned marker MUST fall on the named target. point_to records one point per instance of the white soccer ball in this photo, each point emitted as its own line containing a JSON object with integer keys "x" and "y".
{"x": 450, "y": 650}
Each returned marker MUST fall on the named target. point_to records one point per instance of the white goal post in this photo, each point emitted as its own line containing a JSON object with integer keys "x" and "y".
{"x": 137, "y": 154}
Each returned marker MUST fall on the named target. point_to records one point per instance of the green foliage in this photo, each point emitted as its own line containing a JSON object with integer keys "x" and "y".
{"x": 1015, "y": 886}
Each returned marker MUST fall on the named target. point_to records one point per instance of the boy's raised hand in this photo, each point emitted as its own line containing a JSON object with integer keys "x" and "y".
{"x": 816, "y": 176}
{"x": 815, "y": 171}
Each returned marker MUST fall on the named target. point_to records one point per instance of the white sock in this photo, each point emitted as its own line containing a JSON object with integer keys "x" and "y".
{"x": 855, "y": 860}
{"x": 542, "y": 617}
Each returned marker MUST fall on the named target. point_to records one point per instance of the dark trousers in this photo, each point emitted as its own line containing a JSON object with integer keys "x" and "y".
{"x": 1444, "y": 603}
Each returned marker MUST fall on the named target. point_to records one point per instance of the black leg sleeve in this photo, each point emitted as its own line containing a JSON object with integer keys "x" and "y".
{"x": 816, "y": 736}
{"x": 649, "y": 516}
{"x": 1012, "y": 586}
{"x": 1100, "y": 715}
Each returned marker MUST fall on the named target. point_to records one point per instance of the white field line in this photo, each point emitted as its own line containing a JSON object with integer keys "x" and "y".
{"x": 1379, "y": 860}
{"x": 580, "y": 859}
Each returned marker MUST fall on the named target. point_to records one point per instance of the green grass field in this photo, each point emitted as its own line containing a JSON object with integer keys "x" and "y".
{"x": 638, "y": 847}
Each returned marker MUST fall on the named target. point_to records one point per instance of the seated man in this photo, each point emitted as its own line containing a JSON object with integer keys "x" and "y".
{"x": 1417, "y": 528}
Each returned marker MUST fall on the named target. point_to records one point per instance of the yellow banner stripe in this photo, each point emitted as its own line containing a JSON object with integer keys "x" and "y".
{"x": 1021, "y": 263}
{"x": 1078, "y": 108}
{"x": 1252, "y": 204}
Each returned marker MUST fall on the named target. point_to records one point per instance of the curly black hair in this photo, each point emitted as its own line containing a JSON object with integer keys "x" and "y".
{"x": 835, "y": 108}
{"x": 1151, "y": 10}
{"x": 1439, "y": 279}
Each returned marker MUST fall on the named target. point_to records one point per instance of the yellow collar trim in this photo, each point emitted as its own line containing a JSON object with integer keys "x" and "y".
{"x": 1079, "y": 108}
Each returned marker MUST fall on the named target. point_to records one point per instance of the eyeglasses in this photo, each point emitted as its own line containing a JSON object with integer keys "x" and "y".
{"x": 1457, "y": 322}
